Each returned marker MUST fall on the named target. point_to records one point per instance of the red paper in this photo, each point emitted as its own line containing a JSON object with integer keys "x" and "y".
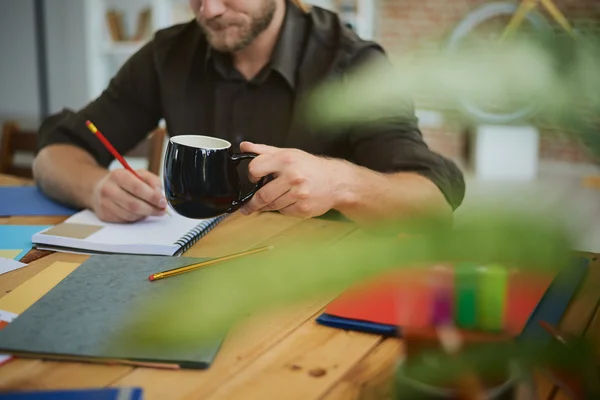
{"x": 400, "y": 298}
{"x": 525, "y": 290}
{"x": 405, "y": 298}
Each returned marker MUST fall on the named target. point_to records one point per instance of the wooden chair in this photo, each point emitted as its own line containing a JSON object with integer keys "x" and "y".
{"x": 14, "y": 140}
{"x": 156, "y": 142}
{"x": 151, "y": 149}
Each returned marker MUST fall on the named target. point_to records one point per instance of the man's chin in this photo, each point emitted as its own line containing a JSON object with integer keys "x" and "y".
{"x": 228, "y": 47}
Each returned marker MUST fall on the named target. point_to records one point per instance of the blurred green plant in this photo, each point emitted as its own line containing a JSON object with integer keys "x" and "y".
{"x": 502, "y": 362}
{"x": 561, "y": 76}
{"x": 524, "y": 69}
{"x": 211, "y": 301}
{"x": 558, "y": 74}
{"x": 217, "y": 297}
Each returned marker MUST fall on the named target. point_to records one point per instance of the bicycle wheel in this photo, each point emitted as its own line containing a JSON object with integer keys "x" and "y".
{"x": 475, "y": 20}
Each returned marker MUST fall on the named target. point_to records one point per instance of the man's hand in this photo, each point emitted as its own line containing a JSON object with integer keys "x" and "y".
{"x": 308, "y": 186}
{"x": 121, "y": 197}
{"x": 304, "y": 186}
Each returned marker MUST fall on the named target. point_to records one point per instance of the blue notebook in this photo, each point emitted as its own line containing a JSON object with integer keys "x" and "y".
{"x": 18, "y": 238}
{"x": 556, "y": 300}
{"x": 80, "y": 394}
{"x": 29, "y": 201}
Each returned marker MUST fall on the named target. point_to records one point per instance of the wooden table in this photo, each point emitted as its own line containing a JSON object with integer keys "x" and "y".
{"x": 279, "y": 355}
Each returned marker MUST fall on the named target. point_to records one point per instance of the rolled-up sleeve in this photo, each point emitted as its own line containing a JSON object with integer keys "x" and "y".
{"x": 125, "y": 112}
{"x": 394, "y": 143}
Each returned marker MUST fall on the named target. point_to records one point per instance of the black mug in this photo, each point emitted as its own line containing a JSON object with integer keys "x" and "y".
{"x": 201, "y": 177}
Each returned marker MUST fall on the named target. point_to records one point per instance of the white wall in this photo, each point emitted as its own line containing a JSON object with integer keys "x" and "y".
{"x": 66, "y": 59}
{"x": 19, "y": 97}
{"x": 65, "y": 41}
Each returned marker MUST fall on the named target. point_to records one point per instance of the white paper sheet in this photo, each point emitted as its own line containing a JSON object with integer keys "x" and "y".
{"x": 7, "y": 265}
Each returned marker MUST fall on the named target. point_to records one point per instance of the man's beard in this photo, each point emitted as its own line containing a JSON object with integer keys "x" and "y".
{"x": 247, "y": 32}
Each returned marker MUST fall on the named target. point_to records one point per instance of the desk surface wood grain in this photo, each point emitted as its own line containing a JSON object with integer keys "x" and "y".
{"x": 282, "y": 353}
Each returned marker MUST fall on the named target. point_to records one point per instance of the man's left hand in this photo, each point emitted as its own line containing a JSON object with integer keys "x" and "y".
{"x": 304, "y": 186}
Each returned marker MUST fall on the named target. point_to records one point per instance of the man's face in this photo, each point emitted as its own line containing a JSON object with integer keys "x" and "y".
{"x": 231, "y": 25}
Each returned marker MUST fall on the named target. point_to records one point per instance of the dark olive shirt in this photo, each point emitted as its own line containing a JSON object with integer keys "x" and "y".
{"x": 197, "y": 90}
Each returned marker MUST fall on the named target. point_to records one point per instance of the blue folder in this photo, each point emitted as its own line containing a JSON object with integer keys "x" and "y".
{"x": 556, "y": 300}
{"x": 550, "y": 309}
{"x": 29, "y": 201}
{"x": 18, "y": 237}
{"x": 80, "y": 394}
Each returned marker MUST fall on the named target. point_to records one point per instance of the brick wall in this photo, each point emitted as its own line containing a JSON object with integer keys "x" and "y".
{"x": 404, "y": 24}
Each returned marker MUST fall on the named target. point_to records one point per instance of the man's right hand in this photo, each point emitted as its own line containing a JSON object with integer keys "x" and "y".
{"x": 121, "y": 197}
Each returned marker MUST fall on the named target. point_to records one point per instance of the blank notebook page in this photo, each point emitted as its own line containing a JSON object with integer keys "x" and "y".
{"x": 153, "y": 235}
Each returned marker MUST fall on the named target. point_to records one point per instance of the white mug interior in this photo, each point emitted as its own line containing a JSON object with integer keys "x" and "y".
{"x": 201, "y": 142}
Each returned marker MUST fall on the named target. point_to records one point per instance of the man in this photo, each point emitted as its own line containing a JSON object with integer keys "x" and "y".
{"x": 238, "y": 73}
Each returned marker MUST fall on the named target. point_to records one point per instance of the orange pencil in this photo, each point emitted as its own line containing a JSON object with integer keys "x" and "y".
{"x": 112, "y": 150}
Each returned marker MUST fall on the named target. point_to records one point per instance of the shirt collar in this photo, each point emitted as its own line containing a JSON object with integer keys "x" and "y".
{"x": 288, "y": 49}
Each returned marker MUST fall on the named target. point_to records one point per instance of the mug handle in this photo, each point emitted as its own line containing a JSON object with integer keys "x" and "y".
{"x": 236, "y": 204}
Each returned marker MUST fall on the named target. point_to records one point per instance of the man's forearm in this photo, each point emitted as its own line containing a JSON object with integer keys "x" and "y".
{"x": 366, "y": 196}
{"x": 68, "y": 174}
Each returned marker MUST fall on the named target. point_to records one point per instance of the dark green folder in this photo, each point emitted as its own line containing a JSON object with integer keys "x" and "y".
{"x": 80, "y": 318}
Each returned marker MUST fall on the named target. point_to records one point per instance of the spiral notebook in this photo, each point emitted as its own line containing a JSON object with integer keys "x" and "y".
{"x": 169, "y": 235}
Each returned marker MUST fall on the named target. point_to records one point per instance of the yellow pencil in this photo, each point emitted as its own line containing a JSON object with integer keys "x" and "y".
{"x": 181, "y": 270}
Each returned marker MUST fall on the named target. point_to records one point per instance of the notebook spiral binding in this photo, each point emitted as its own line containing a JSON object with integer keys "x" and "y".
{"x": 190, "y": 238}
